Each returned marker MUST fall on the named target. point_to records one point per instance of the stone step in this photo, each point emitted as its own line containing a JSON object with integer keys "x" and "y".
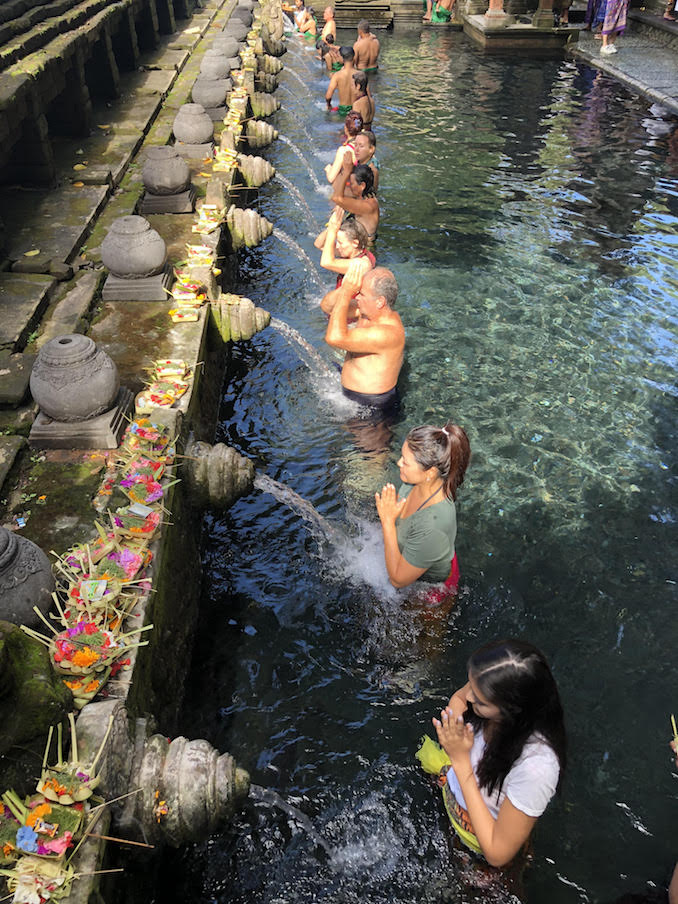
{"x": 10, "y": 446}
{"x": 24, "y": 298}
{"x": 349, "y": 12}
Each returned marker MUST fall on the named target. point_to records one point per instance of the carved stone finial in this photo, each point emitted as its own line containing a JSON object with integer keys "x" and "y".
{"x": 25, "y": 580}
{"x": 73, "y": 380}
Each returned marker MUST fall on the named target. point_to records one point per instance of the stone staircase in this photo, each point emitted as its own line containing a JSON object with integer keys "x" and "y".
{"x": 379, "y": 13}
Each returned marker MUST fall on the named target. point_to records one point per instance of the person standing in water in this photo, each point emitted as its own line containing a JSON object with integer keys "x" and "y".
{"x": 502, "y": 749}
{"x": 375, "y": 345}
{"x": 366, "y": 48}
{"x": 362, "y": 99}
{"x": 342, "y": 82}
{"x": 419, "y": 522}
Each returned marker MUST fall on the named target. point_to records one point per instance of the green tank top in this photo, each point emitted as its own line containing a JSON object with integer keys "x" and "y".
{"x": 426, "y": 538}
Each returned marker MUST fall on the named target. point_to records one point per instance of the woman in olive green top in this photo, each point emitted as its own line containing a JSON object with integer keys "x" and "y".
{"x": 420, "y": 521}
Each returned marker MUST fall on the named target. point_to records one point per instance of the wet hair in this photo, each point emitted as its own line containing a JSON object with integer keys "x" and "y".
{"x": 346, "y": 53}
{"x": 364, "y": 25}
{"x": 329, "y": 39}
{"x": 353, "y": 123}
{"x": 360, "y": 78}
{"x": 384, "y": 285}
{"x": 371, "y": 137}
{"x": 445, "y": 448}
{"x": 355, "y": 232}
{"x": 365, "y": 176}
{"x": 515, "y": 676}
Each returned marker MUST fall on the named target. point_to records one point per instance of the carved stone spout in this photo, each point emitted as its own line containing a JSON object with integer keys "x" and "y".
{"x": 238, "y": 318}
{"x": 256, "y": 171}
{"x": 218, "y": 475}
{"x": 263, "y": 104}
{"x": 260, "y": 134}
{"x": 247, "y": 228}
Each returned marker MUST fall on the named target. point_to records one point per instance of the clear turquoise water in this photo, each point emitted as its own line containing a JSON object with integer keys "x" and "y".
{"x": 529, "y": 214}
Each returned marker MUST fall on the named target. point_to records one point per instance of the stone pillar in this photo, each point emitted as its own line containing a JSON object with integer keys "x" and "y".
{"x": 125, "y": 43}
{"x": 543, "y": 17}
{"x": 166, "y": 20}
{"x": 31, "y": 161}
{"x": 70, "y": 113}
{"x": 148, "y": 31}
{"x": 101, "y": 70}
{"x": 182, "y": 9}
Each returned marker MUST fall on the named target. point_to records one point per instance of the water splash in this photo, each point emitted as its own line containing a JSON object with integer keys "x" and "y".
{"x": 314, "y": 179}
{"x": 298, "y": 78}
{"x": 272, "y": 799}
{"x": 298, "y": 198}
{"x": 301, "y": 254}
{"x": 307, "y": 353}
{"x": 319, "y": 526}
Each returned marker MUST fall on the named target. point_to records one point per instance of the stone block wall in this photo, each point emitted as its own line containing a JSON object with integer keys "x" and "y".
{"x": 55, "y": 59}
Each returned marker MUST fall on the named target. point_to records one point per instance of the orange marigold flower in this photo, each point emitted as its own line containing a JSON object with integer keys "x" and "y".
{"x": 85, "y": 657}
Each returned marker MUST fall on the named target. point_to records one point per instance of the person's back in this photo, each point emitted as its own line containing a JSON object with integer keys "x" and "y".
{"x": 342, "y": 82}
{"x": 366, "y": 48}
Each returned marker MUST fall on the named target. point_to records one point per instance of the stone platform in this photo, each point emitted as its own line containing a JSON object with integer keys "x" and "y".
{"x": 510, "y": 36}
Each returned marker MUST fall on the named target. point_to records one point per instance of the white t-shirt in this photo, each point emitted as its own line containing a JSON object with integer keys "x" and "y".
{"x": 530, "y": 784}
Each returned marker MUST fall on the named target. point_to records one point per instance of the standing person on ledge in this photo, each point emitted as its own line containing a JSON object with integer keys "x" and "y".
{"x": 419, "y": 522}
{"x": 342, "y": 82}
{"x": 614, "y": 24}
{"x": 366, "y": 48}
{"x": 502, "y": 749}
{"x": 330, "y": 26}
{"x": 375, "y": 346}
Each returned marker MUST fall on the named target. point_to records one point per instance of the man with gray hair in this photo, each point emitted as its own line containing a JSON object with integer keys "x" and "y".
{"x": 366, "y": 48}
{"x": 375, "y": 346}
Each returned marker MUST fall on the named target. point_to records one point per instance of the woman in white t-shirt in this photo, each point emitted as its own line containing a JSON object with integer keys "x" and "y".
{"x": 502, "y": 749}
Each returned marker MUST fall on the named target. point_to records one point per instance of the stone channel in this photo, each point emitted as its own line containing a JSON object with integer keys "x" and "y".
{"x": 155, "y": 111}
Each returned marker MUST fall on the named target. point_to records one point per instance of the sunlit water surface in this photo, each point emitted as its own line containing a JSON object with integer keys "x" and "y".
{"x": 529, "y": 214}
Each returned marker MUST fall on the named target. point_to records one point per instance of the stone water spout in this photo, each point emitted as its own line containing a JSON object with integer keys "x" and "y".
{"x": 260, "y": 134}
{"x": 270, "y": 64}
{"x": 247, "y": 228}
{"x": 174, "y": 791}
{"x": 264, "y": 81}
{"x": 217, "y": 475}
{"x": 256, "y": 171}
{"x": 264, "y": 104}
{"x": 238, "y": 318}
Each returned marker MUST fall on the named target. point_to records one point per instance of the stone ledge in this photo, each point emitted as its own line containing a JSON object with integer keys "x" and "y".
{"x": 10, "y": 446}
{"x": 23, "y": 300}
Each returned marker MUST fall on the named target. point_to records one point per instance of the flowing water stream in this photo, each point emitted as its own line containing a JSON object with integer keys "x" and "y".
{"x": 529, "y": 213}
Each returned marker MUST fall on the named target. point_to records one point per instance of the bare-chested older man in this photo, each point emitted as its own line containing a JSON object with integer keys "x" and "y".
{"x": 366, "y": 48}
{"x": 375, "y": 345}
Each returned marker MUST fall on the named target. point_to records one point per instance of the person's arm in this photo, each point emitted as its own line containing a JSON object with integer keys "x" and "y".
{"x": 389, "y": 507}
{"x": 362, "y": 207}
{"x": 327, "y": 258}
{"x": 342, "y": 160}
{"x": 500, "y": 839}
{"x": 331, "y": 88}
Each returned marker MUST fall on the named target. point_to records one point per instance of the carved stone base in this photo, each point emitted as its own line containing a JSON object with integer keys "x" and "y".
{"x": 195, "y": 151}
{"x": 152, "y": 288}
{"x": 183, "y": 202}
{"x": 102, "y": 432}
